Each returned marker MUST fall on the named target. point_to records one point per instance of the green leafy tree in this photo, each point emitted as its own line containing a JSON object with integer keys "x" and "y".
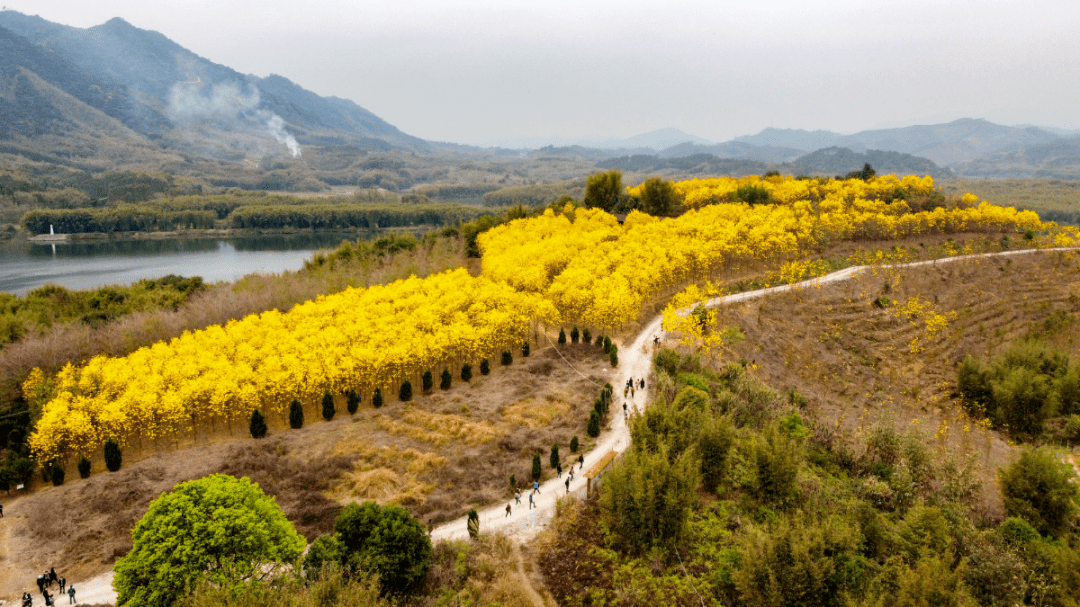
{"x": 485, "y": 366}
{"x": 513, "y": 483}
{"x": 658, "y": 197}
{"x": 385, "y": 540}
{"x": 714, "y": 445}
{"x": 613, "y": 357}
{"x": 257, "y": 424}
{"x": 352, "y": 401}
{"x": 466, "y": 372}
{"x": 553, "y": 459}
{"x": 84, "y": 468}
{"x": 296, "y": 414}
{"x": 604, "y": 190}
{"x": 113, "y": 456}
{"x": 445, "y": 380}
{"x": 427, "y": 382}
{"x": 536, "y": 471}
{"x": 1037, "y": 488}
{"x": 777, "y": 458}
{"x": 607, "y": 344}
{"x": 405, "y": 391}
{"x": 220, "y": 529}
{"x": 376, "y": 398}
{"x": 328, "y": 408}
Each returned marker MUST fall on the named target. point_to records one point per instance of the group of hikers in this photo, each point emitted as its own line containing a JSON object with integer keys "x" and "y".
{"x": 44, "y": 583}
{"x": 536, "y": 486}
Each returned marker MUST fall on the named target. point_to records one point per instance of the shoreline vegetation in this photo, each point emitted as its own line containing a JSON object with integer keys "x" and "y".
{"x": 224, "y": 233}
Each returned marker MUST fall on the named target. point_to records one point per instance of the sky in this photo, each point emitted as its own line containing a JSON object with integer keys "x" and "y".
{"x": 505, "y": 71}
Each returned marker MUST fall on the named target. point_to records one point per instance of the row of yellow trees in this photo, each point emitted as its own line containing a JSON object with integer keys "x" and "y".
{"x": 574, "y": 266}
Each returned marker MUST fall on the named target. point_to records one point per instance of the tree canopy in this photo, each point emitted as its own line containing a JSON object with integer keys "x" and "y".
{"x": 604, "y": 190}
{"x": 219, "y": 530}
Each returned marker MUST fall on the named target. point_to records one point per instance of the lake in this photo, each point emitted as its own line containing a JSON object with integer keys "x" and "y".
{"x": 89, "y": 264}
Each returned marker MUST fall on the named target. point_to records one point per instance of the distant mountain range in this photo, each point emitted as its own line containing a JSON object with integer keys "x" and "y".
{"x": 116, "y": 95}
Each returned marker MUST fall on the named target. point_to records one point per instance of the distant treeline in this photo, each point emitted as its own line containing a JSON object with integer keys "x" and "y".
{"x": 247, "y": 211}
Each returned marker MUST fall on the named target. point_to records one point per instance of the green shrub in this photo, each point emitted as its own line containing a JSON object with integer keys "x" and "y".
{"x": 385, "y": 540}
{"x": 1038, "y": 489}
{"x": 257, "y": 424}
{"x": 296, "y": 414}
{"x": 607, "y": 344}
{"x": 405, "y": 391}
{"x": 507, "y": 359}
{"x": 562, "y": 337}
{"x": 586, "y": 337}
{"x": 376, "y": 398}
{"x": 328, "y": 408}
{"x": 574, "y": 335}
{"x": 613, "y": 357}
{"x": 473, "y": 525}
{"x": 445, "y": 380}
{"x": 553, "y": 459}
{"x": 466, "y": 372}
{"x": 485, "y": 366}
{"x": 714, "y": 446}
{"x": 593, "y": 428}
{"x": 427, "y": 382}
{"x": 777, "y": 458}
{"x": 113, "y": 456}
{"x": 56, "y": 472}
{"x": 84, "y": 468}
{"x": 513, "y": 483}
{"x": 352, "y": 401}
{"x": 1017, "y": 531}
{"x": 525, "y": 350}
{"x": 536, "y": 471}
{"x": 573, "y": 444}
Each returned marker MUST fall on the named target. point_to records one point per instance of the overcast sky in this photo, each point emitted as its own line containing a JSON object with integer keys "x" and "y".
{"x": 485, "y": 71}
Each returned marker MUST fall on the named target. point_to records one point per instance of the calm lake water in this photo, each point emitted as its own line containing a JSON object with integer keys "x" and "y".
{"x": 90, "y": 264}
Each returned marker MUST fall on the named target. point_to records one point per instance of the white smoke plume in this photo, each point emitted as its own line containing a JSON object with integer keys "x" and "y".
{"x": 227, "y": 103}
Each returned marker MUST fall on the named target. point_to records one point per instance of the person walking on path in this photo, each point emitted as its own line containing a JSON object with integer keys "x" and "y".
{"x": 27, "y": 600}
{"x": 642, "y": 386}
{"x": 71, "y": 595}
{"x": 536, "y": 489}
{"x": 517, "y": 496}
{"x": 581, "y": 460}
{"x": 571, "y": 473}
{"x": 52, "y": 576}
{"x": 507, "y": 510}
{"x": 63, "y": 582}
{"x": 558, "y": 470}
{"x": 568, "y": 486}
{"x": 531, "y": 503}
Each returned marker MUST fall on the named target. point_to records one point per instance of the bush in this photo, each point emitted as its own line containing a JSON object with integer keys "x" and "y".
{"x": 613, "y": 357}
{"x": 525, "y": 350}
{"x": 84, "y": 468}
{"x": 648, "y": 497}
{"x": 352, "y": 401}
{"x": 328, "y": 408}
{"x": 474, "y": 524}
{"x": 553, "y": 459}
{"x": 376, "y": 398}
{"x": 405, "y": 391}
{"x": 386, "y": 541}
{"x": 113, "y": 457}
{"x": 296, "y": 414}
{"x": 593, "y": 429}
{"x": 485, "y": 366}
{"x": 586, "y": 337}
{"x": 714, "y": 445}
{"x": 507, "y": 359}
{"x": 607, "y": 344}
{"x": 56, "y": 471}
{"x": 574, "y": 444}
{"x": 536, "y": 466}
{"x": 1037, "y": 488}
{"x": 562, "y": 337}
{"x": 777, "y": 458}
{"x": 257, "y": 424}
{"x": 574, "y": 335}
{"x": 1016, "y": 531}
{"x": 445, "y": 380}
{"x": 427, "y": 382}
{"x": 513, "y": 483}
{"x": 466, "y": 372}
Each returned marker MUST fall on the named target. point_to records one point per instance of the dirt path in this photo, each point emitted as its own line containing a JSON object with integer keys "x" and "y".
{"x": 636, "y": 361}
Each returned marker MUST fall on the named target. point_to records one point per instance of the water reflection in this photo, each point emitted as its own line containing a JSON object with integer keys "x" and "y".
{"x": 89, "y": 264}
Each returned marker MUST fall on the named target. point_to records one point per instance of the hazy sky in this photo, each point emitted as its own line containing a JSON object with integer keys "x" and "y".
{"x": 484, "y": 71}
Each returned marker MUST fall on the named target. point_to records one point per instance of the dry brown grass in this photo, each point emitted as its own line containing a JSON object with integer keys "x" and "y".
{"x": 855, "y": 362}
